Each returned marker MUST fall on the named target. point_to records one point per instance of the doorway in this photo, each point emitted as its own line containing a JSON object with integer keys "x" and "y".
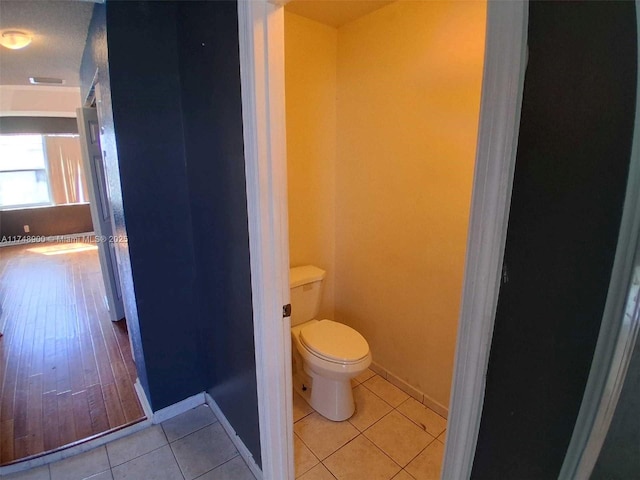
{"x": 262, "y": 47}
{"x": 68, "y": 372}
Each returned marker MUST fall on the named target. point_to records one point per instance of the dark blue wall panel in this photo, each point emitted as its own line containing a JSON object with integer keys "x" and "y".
{"x": 210, "y": 76}
{"x": 175, "y": 163}
{"x": 147, "y": 154}
{"x": 572, "y": 163}
{"x": 147, "y": 114}
{"x": 95, "y": 62}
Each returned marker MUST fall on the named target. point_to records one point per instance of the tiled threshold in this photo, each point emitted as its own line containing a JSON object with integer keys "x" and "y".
{"x": 80, "y": 445}
{"x": 391, "y": 436}
{"x": 193, "y": 445}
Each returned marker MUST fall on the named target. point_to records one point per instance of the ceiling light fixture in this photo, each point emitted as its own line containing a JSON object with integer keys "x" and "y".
{"x": 15, "y": 39}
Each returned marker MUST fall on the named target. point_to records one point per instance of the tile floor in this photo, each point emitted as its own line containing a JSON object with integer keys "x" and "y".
{"x": 391, "y": 436}
{"x": 190, "y": 446}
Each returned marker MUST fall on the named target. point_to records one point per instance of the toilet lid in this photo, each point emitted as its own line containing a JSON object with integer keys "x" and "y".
{"x": 334, "y": 341}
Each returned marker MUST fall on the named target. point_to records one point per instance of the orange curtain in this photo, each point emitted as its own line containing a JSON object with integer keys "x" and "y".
{"x": 66, "y": 173}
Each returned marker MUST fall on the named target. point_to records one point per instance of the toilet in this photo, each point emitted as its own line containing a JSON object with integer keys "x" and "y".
{"x": 326, "y": 354}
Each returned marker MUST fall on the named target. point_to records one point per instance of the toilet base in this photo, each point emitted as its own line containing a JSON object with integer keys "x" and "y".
{"x": 332, "y": 399}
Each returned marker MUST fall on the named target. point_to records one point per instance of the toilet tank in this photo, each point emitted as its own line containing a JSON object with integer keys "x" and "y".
{"x": 306, "y": 290}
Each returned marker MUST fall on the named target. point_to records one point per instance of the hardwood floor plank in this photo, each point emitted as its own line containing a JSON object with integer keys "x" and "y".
{"x": 50, "y": 417}
{"x": 97, "y": 409}
{"x": 126, "y": 392}
{"x": 49, "y": 370}
{"x": 66, "y": 371}
{"x": 35, "y": 432}
{"x": 6, "y": 441}
{"x": 66, "y": 420}
{"x": 113, "y": 406}
{"x": 74, "y": 355}
{"x": 81, "y": 414}
{"x": 37, "y": 349}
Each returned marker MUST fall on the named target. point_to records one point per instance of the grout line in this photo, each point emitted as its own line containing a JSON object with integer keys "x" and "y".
{"x": 175, "y": 459}
{"x": 362, "y": 433}
{"x": 190, "y": 433}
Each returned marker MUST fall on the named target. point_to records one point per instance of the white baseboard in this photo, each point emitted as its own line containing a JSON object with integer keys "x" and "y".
{"x": 237, "y": 441}
{"x": 144, "y": 401}
{"x": 177, "y": 408}
{"x": 421, "y": 397}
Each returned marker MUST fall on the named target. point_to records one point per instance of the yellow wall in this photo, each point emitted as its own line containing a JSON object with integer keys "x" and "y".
{"x": 409, "y": 81}
{"x": 397, "y": 187}
{"x": 310, "y": 78}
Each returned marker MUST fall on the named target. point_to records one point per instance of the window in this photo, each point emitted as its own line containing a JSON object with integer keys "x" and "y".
{"x": 23, "y": 171}
{"x": 41, "y": 170}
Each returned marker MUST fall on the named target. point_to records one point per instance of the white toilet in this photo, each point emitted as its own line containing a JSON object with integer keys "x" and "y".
{"x": 326, "y": 354}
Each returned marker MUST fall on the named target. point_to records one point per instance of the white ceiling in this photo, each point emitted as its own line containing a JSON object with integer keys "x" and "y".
{"x": 59, "y": 31}
{"x": 334, "y": 12}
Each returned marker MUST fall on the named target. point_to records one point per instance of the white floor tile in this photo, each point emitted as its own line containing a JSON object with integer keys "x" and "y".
{"x": 363, "y": 377}
{"x": 188, "y": 422}
{"x": 135, "y": 445}
{"x": 386, "y": 390}
{"x": 157, "y": 465}
{"x": 300, "y": 408}
{"x": 428, "y": 464}
{"x": 322, "y": 436}
{"x": 203, "y": 450}
{"x": 303, "y": 458}
{"x": 81, "y": 466}
{"x": 319, "y": 472}
{"x": 40, "y": 473}
{"x": 423, "y": 416}
{"x": 369, "y": 408}
{"x": 399, "y": 438}
{"x": 361, "y": 460}
{"x": 102, "y": 476}
{"x": 234, "y": 469}
{"x": 403, "y": 475}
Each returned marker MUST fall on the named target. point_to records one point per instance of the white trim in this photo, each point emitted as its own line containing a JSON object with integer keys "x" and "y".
{"x": 178, "y": 408}
{"x": 261, "y": 32}
{"x": 75, "y": 450}
{"x": 142, "y": 397}
{"x": 618, "y": 331}
{"x": 237, "y": 441}
{"x": 504, "y": 66}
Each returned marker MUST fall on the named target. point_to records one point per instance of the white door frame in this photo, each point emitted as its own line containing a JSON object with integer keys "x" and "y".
{"x": 261, "y": 30}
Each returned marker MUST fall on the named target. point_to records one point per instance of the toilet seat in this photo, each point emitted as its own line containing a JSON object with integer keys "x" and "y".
{"x": 334, "y": 342}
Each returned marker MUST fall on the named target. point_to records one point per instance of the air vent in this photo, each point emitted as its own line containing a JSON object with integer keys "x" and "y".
{"x": 46, "y": 81}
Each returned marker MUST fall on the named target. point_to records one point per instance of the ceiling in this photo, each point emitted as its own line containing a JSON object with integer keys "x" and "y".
{"x": 59, "y": 31}
{"x": 334, "y": 12}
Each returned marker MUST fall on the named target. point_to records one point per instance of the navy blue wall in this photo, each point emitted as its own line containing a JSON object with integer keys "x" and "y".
{"x": 210, "y": 76}
{"x": 175, "y": 158}
{"x": 572, "y": 163}
{"x": 95, "y": 61}
{"x": 149, "y": 159}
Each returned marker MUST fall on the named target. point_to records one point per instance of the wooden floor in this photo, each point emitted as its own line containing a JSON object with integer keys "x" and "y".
{"x": 66, "y": 370}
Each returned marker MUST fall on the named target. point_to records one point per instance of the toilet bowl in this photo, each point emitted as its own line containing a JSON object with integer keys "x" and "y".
{"x": 326, "y": 354}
